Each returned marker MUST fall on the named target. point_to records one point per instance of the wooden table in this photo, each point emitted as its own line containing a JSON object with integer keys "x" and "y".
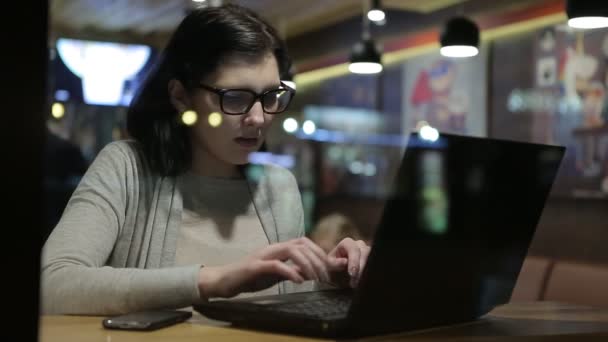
{"x": 537, "y": 321}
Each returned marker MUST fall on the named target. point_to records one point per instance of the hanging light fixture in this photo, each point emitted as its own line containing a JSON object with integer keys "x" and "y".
{"x": 587, "y": 14}
{"x": 375, "y": 13}
{"x": 459, "y": 38}
{"x": 365, "y": 58}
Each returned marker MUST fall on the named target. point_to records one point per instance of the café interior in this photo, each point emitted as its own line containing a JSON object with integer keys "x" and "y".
{"x": 367, "y": 74}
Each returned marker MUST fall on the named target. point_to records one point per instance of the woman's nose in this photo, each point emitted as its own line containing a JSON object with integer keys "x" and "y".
{"x": 255, "y": 116}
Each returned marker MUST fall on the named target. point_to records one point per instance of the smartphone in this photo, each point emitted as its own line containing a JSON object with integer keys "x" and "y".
{"x": 146, "y": 320}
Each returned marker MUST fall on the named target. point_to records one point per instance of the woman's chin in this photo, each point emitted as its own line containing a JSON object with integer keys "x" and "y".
{"x": 242, "y": 160}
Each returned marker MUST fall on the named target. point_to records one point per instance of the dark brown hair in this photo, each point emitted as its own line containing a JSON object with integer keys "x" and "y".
{"x": 206, "y": 37}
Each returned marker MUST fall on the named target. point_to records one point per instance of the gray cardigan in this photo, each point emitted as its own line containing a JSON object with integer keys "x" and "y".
{"x": 113, "y": 250}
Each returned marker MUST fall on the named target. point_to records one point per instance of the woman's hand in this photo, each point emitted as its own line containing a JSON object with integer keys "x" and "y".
{"x": 264, "y": 268}
{"x": 347, "y": 261}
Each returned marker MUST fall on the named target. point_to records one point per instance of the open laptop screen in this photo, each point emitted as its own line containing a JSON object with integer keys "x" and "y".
{"x": 458, "y": 225}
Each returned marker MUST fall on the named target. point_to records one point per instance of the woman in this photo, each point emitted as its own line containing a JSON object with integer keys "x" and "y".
{"x": 174, "y": 217}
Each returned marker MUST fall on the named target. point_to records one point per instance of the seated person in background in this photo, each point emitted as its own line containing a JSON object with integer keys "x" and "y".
{"x": 332, "y": 229}
{"x": 173, "y": 217}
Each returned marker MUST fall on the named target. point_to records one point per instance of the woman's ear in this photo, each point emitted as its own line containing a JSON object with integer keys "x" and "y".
{"x": 179, "y": 96}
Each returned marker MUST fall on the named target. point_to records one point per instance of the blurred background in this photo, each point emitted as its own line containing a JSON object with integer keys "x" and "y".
{"x": 533, "y": 78}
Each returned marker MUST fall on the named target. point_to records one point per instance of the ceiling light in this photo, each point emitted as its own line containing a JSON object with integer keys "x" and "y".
{"x": 365, "y": 58}
{"x": 103, "y": 67}
{"x": 290, "y": 125}
{"x": 309, "y": 127}
{"x": 459, "y": 51}
{"x": 57, "y": 110}
{"x": 376, "y": 14}
{"x": 587, "y": 14}
{"x": 459, "y": 38}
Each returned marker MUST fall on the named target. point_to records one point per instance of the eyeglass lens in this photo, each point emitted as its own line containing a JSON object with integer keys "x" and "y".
{"x": 239, "y": 101}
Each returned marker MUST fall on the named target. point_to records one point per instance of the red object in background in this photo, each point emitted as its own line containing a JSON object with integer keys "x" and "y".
{"x": 422, "y": 91}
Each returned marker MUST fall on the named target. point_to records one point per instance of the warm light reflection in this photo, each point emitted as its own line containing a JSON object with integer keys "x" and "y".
{"x": 588, "y": 22}
{"x": 189, "y": 117}
{"x": 309, "y": 127}
{"x": 290, "y": 125}
{"x": 429, "y": 133}
{"x": 57, "y": 110}
{"x": 215, "y": 119}
{"x": 459, "y": 51}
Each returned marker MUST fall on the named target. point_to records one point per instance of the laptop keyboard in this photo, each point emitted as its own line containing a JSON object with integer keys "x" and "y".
{"x": 333, "y": 307}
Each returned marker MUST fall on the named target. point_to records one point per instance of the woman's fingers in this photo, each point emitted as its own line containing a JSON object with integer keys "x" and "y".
{"x": 320, "y": 266}
{"x": 308, "y": 261}
{"x": 279, "y": 268}
{"x": 302, "y": 252}
{"x": 365, "y": 249}
{"x": 318, "y": 251}
{"x": 317, "y": 256}
{"x": 353, "y": 253}
{"x": 274, "y": 251}
{"x": 337, "y": 263}
{"x": 300, "y": 258}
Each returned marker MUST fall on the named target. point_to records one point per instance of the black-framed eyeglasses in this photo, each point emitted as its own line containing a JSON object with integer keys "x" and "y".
{"x": 240, "y": 101}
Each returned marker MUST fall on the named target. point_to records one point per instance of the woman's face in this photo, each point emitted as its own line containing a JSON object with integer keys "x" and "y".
{"x": 222, "y": 140}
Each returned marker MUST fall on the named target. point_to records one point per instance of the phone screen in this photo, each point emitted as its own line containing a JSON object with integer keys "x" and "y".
{"x": 146, "y": 320}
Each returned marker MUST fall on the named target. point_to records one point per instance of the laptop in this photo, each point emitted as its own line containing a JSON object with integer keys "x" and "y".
{"x": 448, "y": 248}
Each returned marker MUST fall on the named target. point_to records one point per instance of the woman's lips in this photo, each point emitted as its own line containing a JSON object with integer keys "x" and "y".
{"x": 247, "y": 142}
